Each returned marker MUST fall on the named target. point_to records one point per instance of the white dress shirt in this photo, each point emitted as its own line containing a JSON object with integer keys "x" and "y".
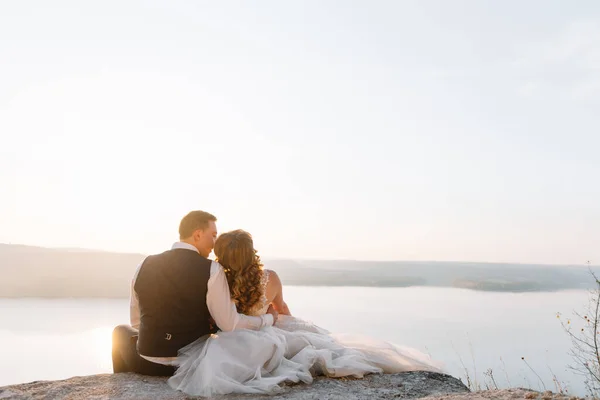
{"x": 219, "y": 302}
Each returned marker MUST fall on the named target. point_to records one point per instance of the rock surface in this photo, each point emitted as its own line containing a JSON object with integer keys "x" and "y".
{"x": 408, "y": 385}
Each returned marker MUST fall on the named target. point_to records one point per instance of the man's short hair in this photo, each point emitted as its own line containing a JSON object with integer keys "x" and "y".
{"x": 193, "y": 221}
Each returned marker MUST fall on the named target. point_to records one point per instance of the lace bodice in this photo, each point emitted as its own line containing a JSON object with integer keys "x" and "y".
{"x": 262, "y": 309}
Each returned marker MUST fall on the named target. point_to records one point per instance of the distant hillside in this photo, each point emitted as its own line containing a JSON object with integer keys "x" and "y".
{"x": 40, "y": 272}
{"x": 478, "y": 276}
{"x": 28, "y": 271}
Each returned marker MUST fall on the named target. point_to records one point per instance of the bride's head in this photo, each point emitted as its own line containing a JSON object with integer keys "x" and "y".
{"x": 235, "y": 252}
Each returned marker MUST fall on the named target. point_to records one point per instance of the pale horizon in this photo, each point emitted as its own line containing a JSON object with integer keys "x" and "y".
{"x": 415, "y": 130}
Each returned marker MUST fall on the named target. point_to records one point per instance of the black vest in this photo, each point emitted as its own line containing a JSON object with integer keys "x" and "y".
{"x": 171, "y": 288}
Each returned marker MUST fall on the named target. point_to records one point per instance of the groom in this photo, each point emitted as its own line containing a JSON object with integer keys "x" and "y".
{"x": 173, "y": 297}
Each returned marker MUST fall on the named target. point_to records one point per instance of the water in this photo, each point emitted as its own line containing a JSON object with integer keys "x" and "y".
{"x": 55, "y": 339}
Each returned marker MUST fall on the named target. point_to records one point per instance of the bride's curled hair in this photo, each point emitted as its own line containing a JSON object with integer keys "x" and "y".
{"x": 235, "y": 252}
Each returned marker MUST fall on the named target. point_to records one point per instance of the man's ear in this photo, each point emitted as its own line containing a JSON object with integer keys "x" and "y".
{"x": 197, "y": 234}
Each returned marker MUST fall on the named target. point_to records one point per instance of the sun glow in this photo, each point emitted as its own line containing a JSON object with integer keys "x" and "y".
{"x": 100, "y": 347}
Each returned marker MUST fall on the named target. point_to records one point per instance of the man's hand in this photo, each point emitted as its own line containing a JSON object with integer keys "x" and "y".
{"x": 273, "y": 312}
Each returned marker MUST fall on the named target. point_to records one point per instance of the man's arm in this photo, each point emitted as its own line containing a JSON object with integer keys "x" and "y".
{"x": 134, "y": 304}
{"x": 222, "y": 308}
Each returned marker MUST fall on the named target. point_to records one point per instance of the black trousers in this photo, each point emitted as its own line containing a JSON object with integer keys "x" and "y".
{"x": 125, "y": 356}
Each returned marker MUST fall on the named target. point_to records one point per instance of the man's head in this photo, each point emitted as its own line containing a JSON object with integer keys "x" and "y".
{"x": 198, "y": 228}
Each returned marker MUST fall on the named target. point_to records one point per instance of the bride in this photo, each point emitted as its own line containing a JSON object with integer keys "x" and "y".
{"x": 293, "y": 350}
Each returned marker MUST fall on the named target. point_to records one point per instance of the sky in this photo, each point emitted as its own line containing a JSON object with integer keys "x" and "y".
{"x": 388, "y": 130}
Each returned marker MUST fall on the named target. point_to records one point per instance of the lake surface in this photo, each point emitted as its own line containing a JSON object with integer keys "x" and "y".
{"x": 44, "y": 339}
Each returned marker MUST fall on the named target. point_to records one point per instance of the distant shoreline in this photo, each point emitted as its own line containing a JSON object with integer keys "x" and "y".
{"x": 102, "y": 297}
{"x": 55, "y": 273}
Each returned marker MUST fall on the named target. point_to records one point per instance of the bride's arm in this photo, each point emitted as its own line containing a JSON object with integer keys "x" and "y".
{"x": 280, "y": 305}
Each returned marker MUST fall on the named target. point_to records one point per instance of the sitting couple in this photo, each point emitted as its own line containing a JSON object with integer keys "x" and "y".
{"x": 222, "y": 326}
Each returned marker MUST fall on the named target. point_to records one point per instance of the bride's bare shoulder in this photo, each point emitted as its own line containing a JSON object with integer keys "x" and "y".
{"x": 273, "y": 282}
{"x": 271, "y": 274}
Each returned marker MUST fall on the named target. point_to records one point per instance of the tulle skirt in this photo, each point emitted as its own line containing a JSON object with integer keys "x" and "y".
{"x": 293, "y": 350}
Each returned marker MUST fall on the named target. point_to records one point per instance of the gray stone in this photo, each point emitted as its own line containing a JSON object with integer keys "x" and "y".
{"x": 408, "y": 385}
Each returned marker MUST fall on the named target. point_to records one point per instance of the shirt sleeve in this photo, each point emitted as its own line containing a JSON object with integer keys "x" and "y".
{"x": 134, "y": 303}
{"x": 222, "y": 308}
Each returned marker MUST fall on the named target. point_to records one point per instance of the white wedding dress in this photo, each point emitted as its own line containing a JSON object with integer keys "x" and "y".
{"x": 293, "y": 350}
